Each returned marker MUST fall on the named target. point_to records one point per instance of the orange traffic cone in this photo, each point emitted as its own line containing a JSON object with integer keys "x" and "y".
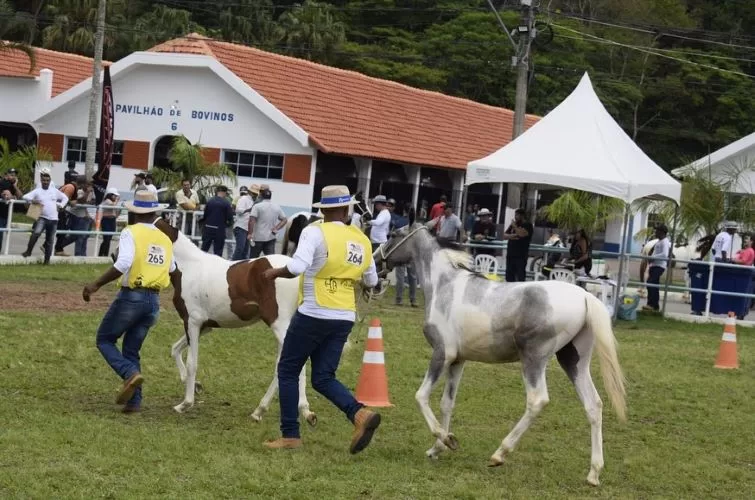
{"x": 727, "y": 352}
{"x": 372, "y": 388}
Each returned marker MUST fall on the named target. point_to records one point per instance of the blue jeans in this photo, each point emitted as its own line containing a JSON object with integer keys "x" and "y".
{"x": 48, "y": 227}
{"x": 654, "y": 294}
{"x": 242, "y": 244}
{"x": 215, "y": 237}
{"x": 322, "y": 341}
{"x": 406, "y": 273}
{"x": 80, "y": 246}
{"x": 132, "y": 313}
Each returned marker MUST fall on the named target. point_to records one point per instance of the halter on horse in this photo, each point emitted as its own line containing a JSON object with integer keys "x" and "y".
{"x": 471, "y": 318}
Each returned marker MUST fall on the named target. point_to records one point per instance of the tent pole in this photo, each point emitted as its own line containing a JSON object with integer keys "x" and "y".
{"x": 620, "y": 286}
{"x": 669, "y": 269}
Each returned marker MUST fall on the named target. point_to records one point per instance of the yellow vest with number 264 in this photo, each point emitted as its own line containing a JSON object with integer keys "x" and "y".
{"x": 153, "y": 254}
{"x": 349, "y": 256}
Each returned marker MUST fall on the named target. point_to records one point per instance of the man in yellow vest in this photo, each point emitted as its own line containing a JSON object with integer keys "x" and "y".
{"x": 330, "y": 258}
{"x": 145, "y": 261}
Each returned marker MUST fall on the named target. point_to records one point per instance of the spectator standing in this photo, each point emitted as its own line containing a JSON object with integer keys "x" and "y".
{"x": 241, "y": 227}
{"x": 484, "y": 231}
{"x": 658, "y": 265}
{"x": 519, "y": 235}
{"x": 5, "y": 198}
{"x": 10, "y": 182}
{"x": 218, "y": 215}
{"x": 70, "y": 189}
{"x": 438, "y": 209}
{"x": 746, "y": 256}
{"x": 722, "y": 245}
{"x": 265, "y": 220}
{"x": 50, "y": 199}
{"x": 187, "y": 199}
{"x": 381, "y": 224}
{"x": 404, "y": 274}
{"x": 469, "y": 219}
{"x": 448, "y": 226}
{"x": 109, "y": 214}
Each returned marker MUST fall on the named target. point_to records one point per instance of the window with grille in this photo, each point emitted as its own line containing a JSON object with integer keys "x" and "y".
{"x": 250, "y": 164}
{"x": 76, "y": 150}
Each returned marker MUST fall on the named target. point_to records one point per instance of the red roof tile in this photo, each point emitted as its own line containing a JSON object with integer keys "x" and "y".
{"x": 350, "y": 113}
{"x": 68, "y": 69}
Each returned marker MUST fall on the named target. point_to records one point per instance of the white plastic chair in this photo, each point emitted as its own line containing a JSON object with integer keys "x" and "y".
{"x": 486, "y": 264}
{"x": 563, "y": 275}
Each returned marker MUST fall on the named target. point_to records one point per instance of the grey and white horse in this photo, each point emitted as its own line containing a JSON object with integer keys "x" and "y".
{"x": 471, "y": 318}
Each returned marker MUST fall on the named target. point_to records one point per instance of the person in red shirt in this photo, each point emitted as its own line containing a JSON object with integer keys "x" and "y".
{"x": 438, "y": 209}
{"x": 746, "y": 256}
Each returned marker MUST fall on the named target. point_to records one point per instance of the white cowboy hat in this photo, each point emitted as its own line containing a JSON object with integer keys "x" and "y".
{"x": 334, "y": 197}
{"x": 380, "y": 199}
{"x": 145, "y": 202}
{"x": 729, "y": 224}
{"x": 484, "y": 211}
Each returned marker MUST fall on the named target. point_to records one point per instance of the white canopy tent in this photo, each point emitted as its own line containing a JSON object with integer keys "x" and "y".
{"x": 578, "y": 145}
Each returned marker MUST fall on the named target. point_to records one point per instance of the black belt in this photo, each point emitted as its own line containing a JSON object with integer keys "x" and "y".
{"x": 140, "y": 289}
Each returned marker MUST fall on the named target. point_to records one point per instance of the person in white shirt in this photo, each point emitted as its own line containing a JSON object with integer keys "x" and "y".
{"x": 241, "y": 227}
{"x": 658, "y": 265}
{"x": 722, "y": 245}
{"x": 381, "y": 224}
{"x": 149, "y": 183}
{"x": 51, "y": 199}
{"x": 331, "y": 258}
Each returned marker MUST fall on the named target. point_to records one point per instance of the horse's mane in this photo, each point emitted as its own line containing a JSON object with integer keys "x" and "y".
{"x": 455, "y": 254}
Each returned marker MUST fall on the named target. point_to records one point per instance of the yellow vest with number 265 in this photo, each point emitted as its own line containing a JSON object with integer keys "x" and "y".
{"x": 349, "y": 256}
{"x": 153, "y": 254}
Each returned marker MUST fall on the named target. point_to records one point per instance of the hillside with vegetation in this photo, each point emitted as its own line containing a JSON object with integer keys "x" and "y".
{"x": 678, "y": 75}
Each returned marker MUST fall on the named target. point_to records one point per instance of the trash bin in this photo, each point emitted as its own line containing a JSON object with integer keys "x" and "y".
{"x": 698, "y": 277}
{"x": 732, "y": 279}
{"x": 628, "y": 307}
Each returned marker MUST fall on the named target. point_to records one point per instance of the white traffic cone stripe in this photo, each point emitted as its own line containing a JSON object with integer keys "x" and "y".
{"x": 373, "y": 357}
{"x": 729, "y": 337}
{"x": 375, "y": 332}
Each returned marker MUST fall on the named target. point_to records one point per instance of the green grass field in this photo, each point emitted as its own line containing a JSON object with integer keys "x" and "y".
{"x": 690, "y": 432}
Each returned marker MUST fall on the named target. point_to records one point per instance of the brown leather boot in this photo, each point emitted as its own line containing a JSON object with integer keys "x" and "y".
{"x": 283, "y": 444}
{"x": 365, "y": 423}
{"x": 129, "y": 387}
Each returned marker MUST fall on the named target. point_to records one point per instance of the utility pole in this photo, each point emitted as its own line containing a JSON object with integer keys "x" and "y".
{"x": 522, "y": 63}
{"x": 96, "y": 95}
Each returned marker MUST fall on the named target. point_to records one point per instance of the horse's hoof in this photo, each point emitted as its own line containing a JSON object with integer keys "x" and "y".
{"x": 451, "y": 442}
{"x": 592, "y": 478}
{"x": 198, "y": 387}
{"x": 495, "y": 462}
{"x": 432, "y": 453}
{"x": 257, "y": 417}
{"x": 181, "y": 408}
{"x": 312, "y": 420}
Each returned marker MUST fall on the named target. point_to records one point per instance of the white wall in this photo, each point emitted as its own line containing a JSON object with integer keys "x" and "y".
{"x": 155, "y": 101}
{"x": 21, "y": 99}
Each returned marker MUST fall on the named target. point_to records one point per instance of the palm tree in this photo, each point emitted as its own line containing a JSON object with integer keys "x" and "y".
{"x": 10, "y": 21}
{"x": 189, "y": 163}
{"x": 574, "y": 210}
{"x": 23, "y": 160}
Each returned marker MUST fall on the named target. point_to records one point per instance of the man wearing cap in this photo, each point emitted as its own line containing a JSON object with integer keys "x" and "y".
{"x": 241, "y": 227}
{"x": 145, "y": 262}
{"x": 722, "y": 245}
{"x": 265, "y": 220}
{"x": 658, "y": 265}
{"x": 484, "y": 231}
{"x": 51, "y": 199}
{"x": 381, "y": 224}
{"x": 218, "y": 215}
{"x": 10, "y": 182}
{"x": 330, "y": 258}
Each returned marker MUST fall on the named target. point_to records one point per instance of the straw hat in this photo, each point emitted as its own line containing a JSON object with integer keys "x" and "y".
{"x": 145, "y": 202}
{"x": 254, "y": 189}
{"x": 334, "y": 197}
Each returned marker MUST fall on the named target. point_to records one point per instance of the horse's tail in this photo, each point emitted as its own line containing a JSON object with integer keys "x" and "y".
{"x": 613, "y": 379}
{"x": 284, "y": 247}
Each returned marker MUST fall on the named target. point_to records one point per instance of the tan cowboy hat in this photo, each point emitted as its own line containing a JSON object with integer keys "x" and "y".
{"x": 254, "y": 188}
{"x": 334, "y": 197}
{"x": 145, "y": 202}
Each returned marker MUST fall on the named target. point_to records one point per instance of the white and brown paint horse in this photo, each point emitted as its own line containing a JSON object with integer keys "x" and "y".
{"x": 211, "y": 292}
{"x": 471, "y": 318}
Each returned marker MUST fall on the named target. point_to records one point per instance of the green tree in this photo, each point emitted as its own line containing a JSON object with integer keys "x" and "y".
{"x": 13, "y": 22}
{"x": 23, "y": 160}
{"x": 574, "y": 210}
{"x": 189, "y": 163}
{"x": 311, "y": 31}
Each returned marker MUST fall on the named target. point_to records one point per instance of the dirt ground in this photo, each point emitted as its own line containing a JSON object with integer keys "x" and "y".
{"x": 53, "y": 297}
